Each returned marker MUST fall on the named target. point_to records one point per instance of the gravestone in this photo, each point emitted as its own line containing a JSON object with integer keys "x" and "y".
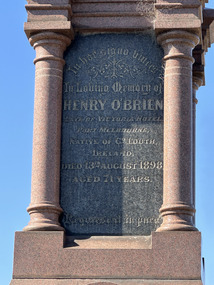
{"x": 112, "y": 196}
{"x": 112, "y": 135}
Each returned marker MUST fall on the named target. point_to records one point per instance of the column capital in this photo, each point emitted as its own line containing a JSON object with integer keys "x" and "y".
{"x": 168, "y": 37}
{"x": 49, "y": 38}
{"x": 52, "y": 46}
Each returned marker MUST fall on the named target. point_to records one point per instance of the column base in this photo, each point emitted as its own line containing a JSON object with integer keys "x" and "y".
{"x": 177, "y": 217}
{"x": 176, "y": 227}
{"x": 44, "y": 217}
{"x": 43, "y": 227}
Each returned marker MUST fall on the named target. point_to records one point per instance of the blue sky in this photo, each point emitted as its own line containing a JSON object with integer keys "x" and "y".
{"x": 16, "y": 125}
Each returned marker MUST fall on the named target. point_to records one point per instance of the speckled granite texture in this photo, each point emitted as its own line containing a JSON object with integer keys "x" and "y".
{"x": 169, "y": 257}
{"x": 104, "y": 282}
{"x": 112, "y": 135}
{"x": 172, "y": 256}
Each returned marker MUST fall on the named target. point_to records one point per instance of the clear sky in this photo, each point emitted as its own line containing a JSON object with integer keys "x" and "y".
{"x": 16, "y": 126}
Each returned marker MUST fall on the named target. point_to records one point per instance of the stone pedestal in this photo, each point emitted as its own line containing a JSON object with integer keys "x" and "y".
{"x": 163, "y": 258}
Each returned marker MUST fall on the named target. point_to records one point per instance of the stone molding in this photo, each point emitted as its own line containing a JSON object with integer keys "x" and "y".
{"x": 65, "y": 17}
{"x": 123, "y": 15}
{"x": 48, "y": 15}
{"x": 178, "y": 15}
{"x": 206, "y": 39}
{"x": 208, "y": 28}
{"x": 197, "y": 81}
{"x": 103, "y": 282}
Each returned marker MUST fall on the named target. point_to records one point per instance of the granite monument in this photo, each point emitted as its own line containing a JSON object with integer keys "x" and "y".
{"x": 112, "y": 197}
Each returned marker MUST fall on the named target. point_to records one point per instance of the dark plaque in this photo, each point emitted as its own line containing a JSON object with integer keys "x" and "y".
{"x": 112, "y": 135}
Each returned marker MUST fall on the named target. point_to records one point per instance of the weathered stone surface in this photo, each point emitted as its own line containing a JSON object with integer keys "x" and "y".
{"x": 42, "y": 255}
{"x": 112, "y": 135}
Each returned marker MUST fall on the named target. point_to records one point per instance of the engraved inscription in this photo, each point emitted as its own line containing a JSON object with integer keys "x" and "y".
{"x": 68, "y": 220}
{"x": 115, "y": 105}
{"x": 112, "y": 135}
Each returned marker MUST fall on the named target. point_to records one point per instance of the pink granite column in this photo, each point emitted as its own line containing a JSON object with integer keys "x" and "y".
{"x": 197, "y": 82}
{"x": 44, "y": 208}
{"x": 178, "y": 210}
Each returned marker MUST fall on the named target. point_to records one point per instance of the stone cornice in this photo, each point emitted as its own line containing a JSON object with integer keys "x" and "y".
{"x": 113, "y": 15}
{"x": 208, "y": 27}
{"x": 66, "y": 17}
{"x": 186, "y": 14}
{"x": 48, "y": 15}
{"x": 207, "y": 38}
